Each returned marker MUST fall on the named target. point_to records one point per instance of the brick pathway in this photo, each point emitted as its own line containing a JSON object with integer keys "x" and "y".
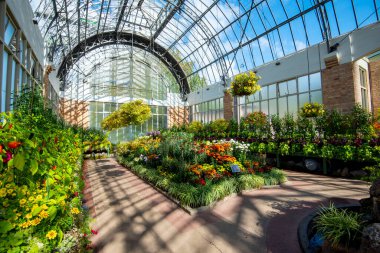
{"x": 131, "y": 216}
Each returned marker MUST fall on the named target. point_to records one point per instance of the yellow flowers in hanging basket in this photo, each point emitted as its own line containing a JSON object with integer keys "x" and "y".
{"x": 312, "y": 110}
{"x": 245, "y": 84}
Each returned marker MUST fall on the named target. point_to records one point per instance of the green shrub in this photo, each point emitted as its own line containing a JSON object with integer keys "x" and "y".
{"x": 338, "y": 225}
{"x": 195, "y": 127}
{"x": 219, "y": 126}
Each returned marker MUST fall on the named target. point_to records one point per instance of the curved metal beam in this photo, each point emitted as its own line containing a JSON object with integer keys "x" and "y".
{"x": 109, "y": 38}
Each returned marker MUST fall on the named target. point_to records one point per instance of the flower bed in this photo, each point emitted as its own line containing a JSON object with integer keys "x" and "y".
{"x": 352, "y": 137}
{"x": 40, "y": 182}
{"x": 196, "y": 173}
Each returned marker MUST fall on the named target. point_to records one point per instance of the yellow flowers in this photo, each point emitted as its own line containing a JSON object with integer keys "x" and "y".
{"x": 43, "y": 214}
{"x": 75, "y": 210}
{"x": 39, "y": 197}
{"x": 35, "y": 222}
{"x": 22, "y": 202}
{"x": 312, "y": 110}
{"x": 51, "y": 234}
{"x": 3, "y": 192}
{"x": 28, "y": 216}
{"x": 26, "y": 224}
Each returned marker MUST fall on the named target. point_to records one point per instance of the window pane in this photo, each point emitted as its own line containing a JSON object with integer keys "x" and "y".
{"x": 303, "y": 98}
{"x": 282, "y": 106}
{"x": 283, "y": 88}
{"x": 316, "y": 96}
{"x": 4, "y": 82}
{"x": 9, "y": 31}
{"x": 303, "y": 84}
{"x": 315, "y": 81}
{"x": 256, "y": 107}
{"x": 264, "y": 107}
{"x": 292, "y": 86}
{"x": 264, "y": 92}
{"x": 273, "y": 106}
{"x": 292, "y": 104}
{"x": 272, "y": 91}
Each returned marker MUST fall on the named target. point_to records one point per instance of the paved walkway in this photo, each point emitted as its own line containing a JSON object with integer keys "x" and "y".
{"x": 131, "y": 216}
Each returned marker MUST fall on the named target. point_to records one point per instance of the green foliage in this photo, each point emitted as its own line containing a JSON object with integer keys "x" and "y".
{"x": 196, "y": 196}
{"x": 373, "y": 173}
{"x": 131, "y": 113}
{"x": 195, "y": 127}
{"x": 338, "y": 226}
{"x": 257, "y": 124}
{"x": 245, "y": 84}
{"x": 219, "y": 125}
{"x": 40, "y": 178}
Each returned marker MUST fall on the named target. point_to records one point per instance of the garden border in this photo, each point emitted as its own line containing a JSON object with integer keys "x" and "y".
{"x": 194, "y": 211}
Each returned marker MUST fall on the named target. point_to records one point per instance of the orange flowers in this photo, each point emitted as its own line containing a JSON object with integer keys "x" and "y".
{"x": 1, "y": 149}
{"x": 376, "y": 125}
{"x": 14, "y": 144}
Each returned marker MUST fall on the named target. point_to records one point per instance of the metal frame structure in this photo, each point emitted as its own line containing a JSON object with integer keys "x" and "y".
{"x": 219, "y": 38}
{"x": 109, "y": 38}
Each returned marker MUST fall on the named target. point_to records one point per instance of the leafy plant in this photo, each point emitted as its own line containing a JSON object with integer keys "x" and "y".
{"x": 40, "y": 178}
{"x": 245, "y": 84}
{"x": 338, "y": 225}
{"x": 373, "y": 173}
{"x": 219, "y": 126}
{"x": 312, "y": 110}
{"x": 131, "y": 113}
{"x": 195, "y": 127}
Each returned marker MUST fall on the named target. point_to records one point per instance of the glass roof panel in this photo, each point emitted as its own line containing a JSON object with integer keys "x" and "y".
{"x": 209, "y": 38}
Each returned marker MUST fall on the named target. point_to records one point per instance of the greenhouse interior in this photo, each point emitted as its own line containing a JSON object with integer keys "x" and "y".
{"x": 190, "y": 126}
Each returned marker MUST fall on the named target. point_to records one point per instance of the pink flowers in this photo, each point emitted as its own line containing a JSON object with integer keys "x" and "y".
{"x": 8, "y": 157}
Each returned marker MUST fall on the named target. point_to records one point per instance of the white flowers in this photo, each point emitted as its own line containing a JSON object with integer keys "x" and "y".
{"x": 235, "y": 145}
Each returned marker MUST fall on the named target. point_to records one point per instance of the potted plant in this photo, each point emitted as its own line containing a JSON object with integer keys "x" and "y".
{"x": 245, "y": 84}
{"x": 312, "y": 110}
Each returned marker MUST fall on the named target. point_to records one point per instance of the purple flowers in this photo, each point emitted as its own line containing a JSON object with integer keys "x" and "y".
{"x": 154, "y": 134}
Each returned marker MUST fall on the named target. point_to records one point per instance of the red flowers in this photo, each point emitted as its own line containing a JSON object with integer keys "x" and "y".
{"x": 94, "y": 232}
{"x": 76, "y": 194}
{"x": 54, "y": 167}
{"x": 201, "y": 181}
{"x": 1, "y": 149}
{"x": 14, "y": 144}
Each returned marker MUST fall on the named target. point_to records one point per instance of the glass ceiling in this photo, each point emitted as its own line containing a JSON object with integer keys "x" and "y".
{"x": 217, "y": 38}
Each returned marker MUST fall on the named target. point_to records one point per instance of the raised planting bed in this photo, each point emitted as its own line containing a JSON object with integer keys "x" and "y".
{"x": 194, "y": 195}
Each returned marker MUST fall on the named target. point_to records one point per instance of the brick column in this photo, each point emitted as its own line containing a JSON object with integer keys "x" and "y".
{"x": 228, "y": 102}
{"x": 374, "y": 80}
{"x": 338, "y": 87}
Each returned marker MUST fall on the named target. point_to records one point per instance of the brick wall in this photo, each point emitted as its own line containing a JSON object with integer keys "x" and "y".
{"x": 228, "y": 106}
{"x": 374, "y": 77}
{"x": 177, "y": 115}
{"x": 338, "y": 87}
{"x": 75, "y": 112}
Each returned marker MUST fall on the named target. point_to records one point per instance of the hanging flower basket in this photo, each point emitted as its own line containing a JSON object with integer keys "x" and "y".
{"x": 245, "y": 84}
{"x": 312, "y": 110}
